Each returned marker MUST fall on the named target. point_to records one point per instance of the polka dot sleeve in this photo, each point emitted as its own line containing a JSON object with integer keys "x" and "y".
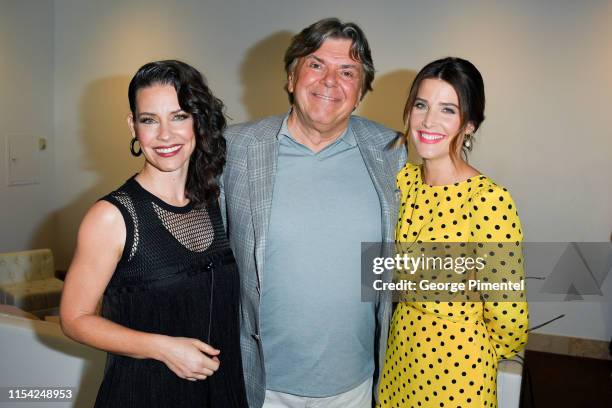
{"x": 496, "y": 224}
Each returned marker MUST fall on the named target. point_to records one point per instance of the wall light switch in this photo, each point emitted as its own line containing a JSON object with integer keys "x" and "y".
{"x": 23, "y": 159}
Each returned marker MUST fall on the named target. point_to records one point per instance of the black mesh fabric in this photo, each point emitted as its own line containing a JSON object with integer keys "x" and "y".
{"x": 177, "y": 276}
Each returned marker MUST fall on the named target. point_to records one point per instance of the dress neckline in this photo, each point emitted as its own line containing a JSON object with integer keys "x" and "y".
{"x": 172, "y": 208}
{"x": 466, "y": 182}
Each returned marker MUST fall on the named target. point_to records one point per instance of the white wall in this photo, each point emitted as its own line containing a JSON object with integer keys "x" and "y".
{"x": 546, "y": 69}
{"x": 26, "y": 108}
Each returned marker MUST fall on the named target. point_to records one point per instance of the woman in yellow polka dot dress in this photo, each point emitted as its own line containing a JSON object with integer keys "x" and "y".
{"x": 441, "y": 353}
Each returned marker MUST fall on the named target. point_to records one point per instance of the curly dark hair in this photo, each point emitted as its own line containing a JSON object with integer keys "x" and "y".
{"x": 194, "y": 97}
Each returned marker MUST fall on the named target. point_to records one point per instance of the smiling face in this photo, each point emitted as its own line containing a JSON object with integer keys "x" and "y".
{"x": 164, "y": 131}
{"x": 326, "y": 87}
{"x": 435, "y": 119}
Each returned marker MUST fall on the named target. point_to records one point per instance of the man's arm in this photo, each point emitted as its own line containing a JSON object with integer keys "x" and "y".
{"x": 222, "y": 204}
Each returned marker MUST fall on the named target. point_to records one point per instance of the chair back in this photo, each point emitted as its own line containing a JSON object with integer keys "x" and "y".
{"x": 26, "y": 266}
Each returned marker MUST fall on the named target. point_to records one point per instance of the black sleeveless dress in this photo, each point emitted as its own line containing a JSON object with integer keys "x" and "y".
{"x": 177, "y": 276}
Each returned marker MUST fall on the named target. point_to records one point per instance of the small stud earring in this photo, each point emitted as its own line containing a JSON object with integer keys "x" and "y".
{"x": 467, "y": 141}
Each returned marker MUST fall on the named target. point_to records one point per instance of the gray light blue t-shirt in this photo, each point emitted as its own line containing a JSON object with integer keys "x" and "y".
{"x": 317, "y": 335}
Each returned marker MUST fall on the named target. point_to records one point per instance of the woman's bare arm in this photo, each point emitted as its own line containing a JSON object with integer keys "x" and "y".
{"x": 100, "y": 242}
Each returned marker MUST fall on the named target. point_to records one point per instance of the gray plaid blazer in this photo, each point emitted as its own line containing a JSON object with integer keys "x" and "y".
{"x": 246, "y": 199}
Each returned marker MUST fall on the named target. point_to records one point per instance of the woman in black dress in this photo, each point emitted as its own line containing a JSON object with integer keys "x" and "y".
{"x": 156, "y": 252}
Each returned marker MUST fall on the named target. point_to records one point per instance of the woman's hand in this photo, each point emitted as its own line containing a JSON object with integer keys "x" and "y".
{"x": 188, "y": 358}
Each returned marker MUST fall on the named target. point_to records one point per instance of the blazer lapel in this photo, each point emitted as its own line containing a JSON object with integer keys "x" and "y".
{"x": 383, "y": 177}
{"x": 261, "y": 165}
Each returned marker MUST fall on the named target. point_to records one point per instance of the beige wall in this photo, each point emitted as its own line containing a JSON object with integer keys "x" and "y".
{"x": 26, "y": 109}
{"x": 546, "y": 68}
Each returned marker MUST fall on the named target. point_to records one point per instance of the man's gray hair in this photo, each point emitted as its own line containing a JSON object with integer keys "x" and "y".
{"x": 312, "y": 37}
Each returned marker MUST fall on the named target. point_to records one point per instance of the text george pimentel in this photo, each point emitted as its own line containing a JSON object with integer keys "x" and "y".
{"x": 426, "y": 285}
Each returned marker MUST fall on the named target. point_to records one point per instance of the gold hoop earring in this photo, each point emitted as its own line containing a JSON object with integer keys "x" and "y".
{"x": 133, "y": 150}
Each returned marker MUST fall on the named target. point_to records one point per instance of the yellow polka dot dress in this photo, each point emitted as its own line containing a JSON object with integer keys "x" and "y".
{"x": 445, "y": 354}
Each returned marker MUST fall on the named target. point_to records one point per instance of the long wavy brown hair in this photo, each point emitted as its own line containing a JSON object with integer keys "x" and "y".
{"x": 194, "y": 97}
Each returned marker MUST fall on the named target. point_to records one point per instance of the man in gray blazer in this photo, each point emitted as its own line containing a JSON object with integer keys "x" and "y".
{"x": 300, "y": 192}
